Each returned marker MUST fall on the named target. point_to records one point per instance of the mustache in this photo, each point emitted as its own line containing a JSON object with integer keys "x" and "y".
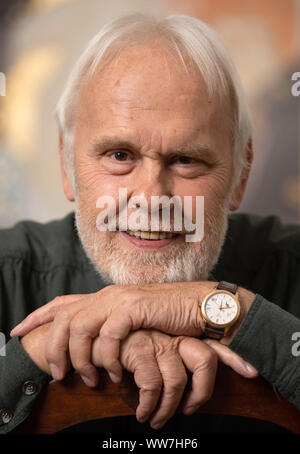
{"x": 137, "y": 217}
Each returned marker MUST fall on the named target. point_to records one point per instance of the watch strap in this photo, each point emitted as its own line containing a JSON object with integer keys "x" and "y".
{"x": 214, "y": 333}
{"x": 228, "y": 286}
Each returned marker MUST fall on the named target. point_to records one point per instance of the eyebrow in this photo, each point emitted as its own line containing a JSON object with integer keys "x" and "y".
{"x": 114, "y": 143}
{"x": 194, "y": 151}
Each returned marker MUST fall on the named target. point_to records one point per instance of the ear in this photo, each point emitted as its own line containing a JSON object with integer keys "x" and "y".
{"x": 238, "y": 193}
{"x": 68, "y": 190}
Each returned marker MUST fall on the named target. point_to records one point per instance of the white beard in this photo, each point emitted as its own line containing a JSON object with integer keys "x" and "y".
{"x": 179, "y": 262}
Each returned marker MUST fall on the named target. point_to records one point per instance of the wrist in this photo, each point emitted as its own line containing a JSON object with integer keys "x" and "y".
{"x": 33, "y": 344}
{"x": 246, "y": 298}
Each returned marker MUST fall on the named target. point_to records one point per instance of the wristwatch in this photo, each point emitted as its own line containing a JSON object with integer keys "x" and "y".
{"x": 220, "y": 310}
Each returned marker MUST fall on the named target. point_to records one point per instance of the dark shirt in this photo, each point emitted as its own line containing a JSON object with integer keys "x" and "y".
{"x": 41, "y": 261}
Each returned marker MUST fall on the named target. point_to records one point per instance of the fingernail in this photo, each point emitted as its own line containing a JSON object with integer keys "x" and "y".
{"x": 114, "y": 377}
{"x": 157, "y": 425}
{"x": 88, "y": 381}
{"x": 251, "y": 369}
{"x": 190, "y": 410}
{"x": 142, "y": 417}
{"x": 56, "y": 373}
{"x": 15, "y": 329}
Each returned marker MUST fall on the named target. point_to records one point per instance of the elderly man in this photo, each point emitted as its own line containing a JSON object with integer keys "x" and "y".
{"x": 156, "y": 108}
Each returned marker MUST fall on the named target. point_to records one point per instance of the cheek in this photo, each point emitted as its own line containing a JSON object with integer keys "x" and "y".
{"x": 93, "y": 182}
{"x": 214, "y": 189}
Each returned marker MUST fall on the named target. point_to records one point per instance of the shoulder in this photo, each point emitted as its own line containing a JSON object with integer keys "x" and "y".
{"x": 42, "y": 244}
{"x": 269, "y": 232}
{"x": 256, "y": 237}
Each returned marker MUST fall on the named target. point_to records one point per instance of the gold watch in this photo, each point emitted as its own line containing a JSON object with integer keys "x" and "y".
{"x": 220, "y": 310}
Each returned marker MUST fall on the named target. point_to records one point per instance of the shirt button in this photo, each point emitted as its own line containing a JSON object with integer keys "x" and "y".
{"x": 29, "y": 388}
{"x": 5, "y": 416}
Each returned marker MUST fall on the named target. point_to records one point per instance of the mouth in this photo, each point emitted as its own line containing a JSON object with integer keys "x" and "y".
{"x": 151, "y": 236}
{"x": 148, "y": 239}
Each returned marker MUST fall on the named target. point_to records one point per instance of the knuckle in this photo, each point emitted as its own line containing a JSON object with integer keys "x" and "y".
{"x": 133, "y": 301}
{"x": 107, "y": 331}
{"x": 152, "y": 385}
{"x": 136, "y": 351}
{"x": 176, "y": 384}
{"x": 111, "y": 289}
{"x": 54, "y": 352}
{"x": 77, "y": 327}
{"x": 36, "y": 317}
{"x": 50, "y": 355}
{"x": 79, "y": 364}
{"x": 106, "y": 289}
{"x": 58, "y": 300}
{"x": 62, "y": 315}
{"x": 141, "y": 362}
{"x": 209, "y": 358}
{"x": 142, "y": 343}
{"x": 161, "y": 339}
{"x": 178, "y": 339}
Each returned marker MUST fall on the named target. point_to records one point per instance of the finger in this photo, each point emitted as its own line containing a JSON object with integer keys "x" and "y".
{"x": 202, "y": 361}
{"x": 232, "y": 359}
{"x": 140, "y": 360}
{"x": 113, "y": 330}
{"x": 58, "y": 345}
{"x": 136, "y": 315}
{"x": 174, "y": 381}
{"x": 137, "y": 356}
{"x": 149, "y": 380}
{"x": 44, "y": 314}
{"x": 82, "y": 333}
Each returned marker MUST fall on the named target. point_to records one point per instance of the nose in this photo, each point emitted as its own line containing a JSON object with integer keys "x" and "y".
{"x": 151, "y": 182}
{"x": 151, "y": 179}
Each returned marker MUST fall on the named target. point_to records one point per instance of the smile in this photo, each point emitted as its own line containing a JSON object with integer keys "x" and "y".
{"x": 146, "y": 239}
{"x": 152, "y": 236}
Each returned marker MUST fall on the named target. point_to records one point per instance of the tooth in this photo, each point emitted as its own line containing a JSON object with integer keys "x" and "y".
{"x": 145, "y": 235}
{"x": 154, "y": 235}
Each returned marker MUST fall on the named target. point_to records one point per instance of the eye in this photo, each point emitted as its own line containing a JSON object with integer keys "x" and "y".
{"x": 186, "y": 160}
{"x": 120, "y": 155}
{"x": 189, "y": 166}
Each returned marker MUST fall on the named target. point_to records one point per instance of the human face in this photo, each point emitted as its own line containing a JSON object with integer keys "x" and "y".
{"x": 146, "y": 125}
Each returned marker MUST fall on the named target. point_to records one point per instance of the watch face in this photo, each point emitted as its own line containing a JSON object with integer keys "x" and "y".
{"x": 220, "y": 308}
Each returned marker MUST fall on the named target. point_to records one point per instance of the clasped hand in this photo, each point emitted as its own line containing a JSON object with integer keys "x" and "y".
{"x": 151, "y": 330}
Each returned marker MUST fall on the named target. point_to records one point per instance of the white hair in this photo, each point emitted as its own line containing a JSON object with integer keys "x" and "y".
{"x": 188, "y": 38}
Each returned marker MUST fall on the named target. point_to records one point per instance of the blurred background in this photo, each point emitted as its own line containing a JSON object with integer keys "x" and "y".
{"x": 40, "y": 40}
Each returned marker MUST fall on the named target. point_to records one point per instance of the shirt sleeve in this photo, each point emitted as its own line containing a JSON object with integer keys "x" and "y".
{"x": 21, "y": 381}
{"x": 268, "y": 338}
